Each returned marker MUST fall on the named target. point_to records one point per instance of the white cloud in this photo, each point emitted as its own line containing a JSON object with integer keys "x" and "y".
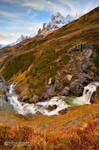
{"x": 79, "y": 7}
{"x": 11, "y": 1}
{"x": 8, "y": 14}
{"x": 14, "y": 31}
{"x": 45, "y": 5}
{"x": 72, "y": 5}
{"x": 6, "y": 38}
{"x": 75, "y": 7}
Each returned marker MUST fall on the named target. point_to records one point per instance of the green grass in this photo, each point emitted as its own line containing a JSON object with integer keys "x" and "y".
{"x": 65, "y": 59}
{"x": 19, "y": 63}
{"x": 36, "y": 83}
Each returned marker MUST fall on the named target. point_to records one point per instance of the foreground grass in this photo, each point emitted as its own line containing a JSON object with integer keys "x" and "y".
{"x": 71, "y": 139}
{"x": 77, "y": 129}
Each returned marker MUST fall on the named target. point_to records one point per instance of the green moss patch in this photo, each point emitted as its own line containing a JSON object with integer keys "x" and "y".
{"x": 19, "y": 63}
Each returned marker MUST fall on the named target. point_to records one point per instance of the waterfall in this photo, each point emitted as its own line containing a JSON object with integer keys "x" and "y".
{"x": 59, "y": 101}
{"x": 89, "y": 90}
{"x": 86, "y": 96}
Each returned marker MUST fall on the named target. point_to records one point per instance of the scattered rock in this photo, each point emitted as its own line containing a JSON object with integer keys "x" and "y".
{"x": 50, "y": 91}
{"x": 50, "y": 81}
{"x": 36, "y": 98}
{"x": 25, "y": 99}
{"x": 65, "y": 91}
{"x": 93, "y": 98}
{"x": 69, "y": 77}
{"x": 52, "y": 107}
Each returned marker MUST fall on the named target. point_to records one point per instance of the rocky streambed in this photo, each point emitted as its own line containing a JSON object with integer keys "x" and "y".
{"x": 53, "y": 106}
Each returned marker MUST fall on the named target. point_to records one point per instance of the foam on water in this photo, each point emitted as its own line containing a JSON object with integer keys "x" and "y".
{"x": 59, "y": 101}
{"x": 42, "y": 107}
{"x": 87, "y": 94}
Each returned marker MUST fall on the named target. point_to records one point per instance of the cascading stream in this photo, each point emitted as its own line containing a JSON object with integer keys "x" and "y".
{"x": 86, "y": 96}
{"x": 42, "y": 107}
{"x": 59, "y": 101}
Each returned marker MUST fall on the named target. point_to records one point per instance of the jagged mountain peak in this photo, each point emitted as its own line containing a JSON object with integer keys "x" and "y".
{"x": 57, "y": 15}
{"x": 56, "y": 21}
{"x": 21, "y": 38}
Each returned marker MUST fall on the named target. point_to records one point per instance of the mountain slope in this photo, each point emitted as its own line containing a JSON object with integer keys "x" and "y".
{"x": 40, "y": 63}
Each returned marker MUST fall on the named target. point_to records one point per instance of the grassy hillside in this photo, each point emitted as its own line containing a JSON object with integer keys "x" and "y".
{"x": 33, "y": 62}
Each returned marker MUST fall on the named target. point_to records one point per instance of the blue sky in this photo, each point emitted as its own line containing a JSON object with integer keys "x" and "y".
{"x": 26, "y": 16}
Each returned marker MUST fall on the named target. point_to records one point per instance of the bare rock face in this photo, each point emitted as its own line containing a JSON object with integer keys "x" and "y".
{"x": 3, "y": 97}
{"x": 3, "y": 85}
{"x": 83, "y": 47}
{"x": 81, "y": 62}
{"x": 84, "y": 63}
{"x": 93, "y": 98}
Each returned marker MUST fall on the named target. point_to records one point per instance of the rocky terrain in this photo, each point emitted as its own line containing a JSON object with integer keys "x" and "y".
{"x": 76, "y": 74}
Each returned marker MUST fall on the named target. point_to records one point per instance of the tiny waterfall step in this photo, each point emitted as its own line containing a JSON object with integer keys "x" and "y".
{"x": 86, "y": 97}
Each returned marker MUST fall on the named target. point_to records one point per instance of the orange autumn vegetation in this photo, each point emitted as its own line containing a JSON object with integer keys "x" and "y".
{"x": 71, "y": 139}
{"x": 78, "y": 129}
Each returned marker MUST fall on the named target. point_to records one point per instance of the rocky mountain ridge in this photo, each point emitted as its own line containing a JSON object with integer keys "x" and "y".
{"x": 20, "y": 39}
{"x": 55, "y": 22}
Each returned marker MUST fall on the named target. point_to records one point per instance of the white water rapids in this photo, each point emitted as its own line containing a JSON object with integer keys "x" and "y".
{"x": 58, "y": 101}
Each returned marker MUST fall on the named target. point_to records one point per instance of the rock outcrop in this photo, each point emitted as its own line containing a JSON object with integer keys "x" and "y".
{"x": 3, "y": 85}
{"x": 50, "y": 91}
{"x": 78, "y": 74}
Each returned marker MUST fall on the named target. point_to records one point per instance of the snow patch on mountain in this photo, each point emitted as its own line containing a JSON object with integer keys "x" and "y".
{"x": 20, "y": 39}
{"x": 56, "y": 21}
